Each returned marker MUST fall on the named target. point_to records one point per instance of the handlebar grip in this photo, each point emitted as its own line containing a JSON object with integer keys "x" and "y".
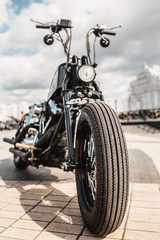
{"x": 41, "y": 26}
{"x": 109, "y": 33}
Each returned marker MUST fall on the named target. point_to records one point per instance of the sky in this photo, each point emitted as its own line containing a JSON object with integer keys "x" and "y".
{"x": 27, "y": 64}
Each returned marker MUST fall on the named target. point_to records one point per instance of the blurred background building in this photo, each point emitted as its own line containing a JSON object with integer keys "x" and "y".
{"x": 144, "y": 92}
{"x": 12, "y": 110}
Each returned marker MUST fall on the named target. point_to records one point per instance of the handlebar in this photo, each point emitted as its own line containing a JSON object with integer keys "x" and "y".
{"x": 41, "y": 26}
{"x": 55, "y": 28}
{"x": 109, "y": 33}
{"x": 98, "y": 31}
{"x": 63, "y": 24}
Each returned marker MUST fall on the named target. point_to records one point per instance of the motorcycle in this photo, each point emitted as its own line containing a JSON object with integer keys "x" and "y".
{"x": 76, "y": 131}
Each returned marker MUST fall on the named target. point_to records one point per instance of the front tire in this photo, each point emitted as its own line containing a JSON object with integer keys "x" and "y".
{"x": 103, "y": 179}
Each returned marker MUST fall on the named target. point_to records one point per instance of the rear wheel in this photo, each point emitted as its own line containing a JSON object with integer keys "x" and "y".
{"x": 19, "y": 163}
{"x": 102, "y": 180}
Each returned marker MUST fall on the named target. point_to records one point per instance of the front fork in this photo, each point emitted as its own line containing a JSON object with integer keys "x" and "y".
{"x": 71, "y": 163}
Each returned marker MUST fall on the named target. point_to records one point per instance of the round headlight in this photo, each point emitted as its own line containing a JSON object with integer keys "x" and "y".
{"x": 86, "y": 73}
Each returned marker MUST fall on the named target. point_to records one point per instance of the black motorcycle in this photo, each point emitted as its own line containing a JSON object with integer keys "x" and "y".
{"x": 75, "y": 130}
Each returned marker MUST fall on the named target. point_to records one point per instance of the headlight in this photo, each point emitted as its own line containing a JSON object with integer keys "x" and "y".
{"x": 86, "y": 73}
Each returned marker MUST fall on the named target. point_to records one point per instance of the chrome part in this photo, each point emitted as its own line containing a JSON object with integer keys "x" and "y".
{"x": 86, "y": 73}
{"x": 75, "y": 130}
{"x": 33, "y": 131}
{"x": 43, "y": 24}
{"x": 36, "y": 109}
{"x": 25, "y": 146}
{"x": 89, "y": 94}
{"x": 80, "y": 94}
{"x": 87, "y": 40}
{"x": 92, "y": 173}
{"x": 111, "y": 28}
{"x": 47, "y": 124}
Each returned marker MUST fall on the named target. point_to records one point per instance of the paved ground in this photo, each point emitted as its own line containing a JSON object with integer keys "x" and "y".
{"x": 42, "y": 204}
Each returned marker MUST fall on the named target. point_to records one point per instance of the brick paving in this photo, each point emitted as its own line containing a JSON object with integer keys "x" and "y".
{"x": 42, "y": 204}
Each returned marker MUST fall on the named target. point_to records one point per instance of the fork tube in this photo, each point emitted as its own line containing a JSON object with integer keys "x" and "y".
{"x": 68, "y": 123}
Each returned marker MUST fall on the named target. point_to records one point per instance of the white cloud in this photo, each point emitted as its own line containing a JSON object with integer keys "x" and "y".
{"x": 4, "y": 12}
{"x": 24, "y": 75}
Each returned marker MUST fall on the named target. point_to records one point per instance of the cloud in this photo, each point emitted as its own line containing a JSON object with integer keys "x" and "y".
{"x": 27, "y": 65}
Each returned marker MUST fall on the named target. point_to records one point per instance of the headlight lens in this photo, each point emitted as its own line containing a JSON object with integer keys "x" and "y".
{"x": 86, "y": 73}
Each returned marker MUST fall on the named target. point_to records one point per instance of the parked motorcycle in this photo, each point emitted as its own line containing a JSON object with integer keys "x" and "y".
{"x": 75, "y": 130}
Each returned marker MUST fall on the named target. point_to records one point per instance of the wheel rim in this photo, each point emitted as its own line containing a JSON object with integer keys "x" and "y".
{"x": 88, "y": 173}
{"x": 92, "y": 172}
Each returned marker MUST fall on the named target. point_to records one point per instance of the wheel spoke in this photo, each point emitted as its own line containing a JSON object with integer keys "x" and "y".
{"x": 92, "y": 184}
{"x": 92, "y": 172}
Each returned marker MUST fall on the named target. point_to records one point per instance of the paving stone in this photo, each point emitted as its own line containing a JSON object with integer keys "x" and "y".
{"x": 6, "y": 222}
{"x": 55, "y": 236}
{"x": 41, "y": 192}
{"x": 71, "y": 212}
{"x": 17, "y": 208}
{"x": 95, "y": 238}
{"x": 27, "y": 184}
{"x": 2, "y": 229}
{"x": 64, "y": 228}
{"x": 28, "y": 224}
{"x": 73, "y": 205}
{"x": 7, "y": 199}
{"x": 39, "y": 216}
{"x": 61, "y": 218}
{"x": 52, "y": 203}
{"x": 8, "y": 183}
{"x": 142, "y": 204}
{"x": 134, "y": 235}
{"x": 74, "y": 199}
{"x": 14, "y": 190}
{"x": 12, "y": 215}
{"x": 135, "y": 217}
{"x": 42, "y": 187}
{"x": 143, "y": 226}
{"x": 26, "y": 202}
{"x": 145, "y": 199}
{"x": 10, "y": 194}
{"x": 148, "y": 211}
{"x": 20, "y": 233}
{"x": 58, "y": 198}
{"x": 49, "y": 183}
{"x": 70, "y": 186}
{"x": 6, "y": 238}
{"x": 61, "y": 193}
{"x": 146, "y": 194}
{"x": 147, "y": 187}
{"x": 143, "y": 217}
{"x": 42, "y": 209}
{"x": 2, "y": 189}
{"x": 2, "y": 205}
{"x": 32, "y": 196}
{"x": 155, "y": 180}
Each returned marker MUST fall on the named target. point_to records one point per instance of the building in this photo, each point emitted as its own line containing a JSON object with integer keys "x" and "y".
{"x": 12, "y": 110}
{"x": 145, "y": 90}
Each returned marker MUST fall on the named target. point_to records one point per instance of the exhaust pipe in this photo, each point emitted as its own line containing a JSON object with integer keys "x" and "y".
{"x": 8, "y": 140}
{"x": 24, "y": 156}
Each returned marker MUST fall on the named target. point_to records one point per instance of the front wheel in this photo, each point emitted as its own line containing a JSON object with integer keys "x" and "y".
{"x": 103, "y": 179}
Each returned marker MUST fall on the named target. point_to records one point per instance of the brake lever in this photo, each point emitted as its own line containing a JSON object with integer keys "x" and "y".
{"x": 43, "y": 24}
{"x": 111, "y": 28}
